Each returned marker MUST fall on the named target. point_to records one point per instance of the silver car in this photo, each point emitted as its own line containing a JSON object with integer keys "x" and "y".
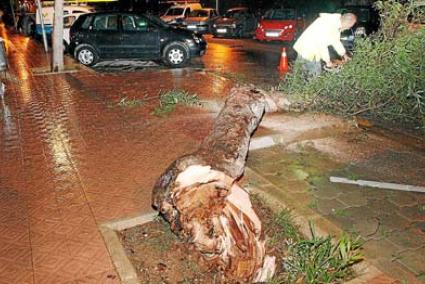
{"x": 200, "y": 20}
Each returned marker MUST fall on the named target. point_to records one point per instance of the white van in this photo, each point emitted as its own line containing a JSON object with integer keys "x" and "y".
{"x": 48, "y": 16}
{"x": 177, "y": 13}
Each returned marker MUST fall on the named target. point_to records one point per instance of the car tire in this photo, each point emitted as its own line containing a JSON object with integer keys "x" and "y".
{"x": 86, "y": 55}
{"x": 176, "y": 54}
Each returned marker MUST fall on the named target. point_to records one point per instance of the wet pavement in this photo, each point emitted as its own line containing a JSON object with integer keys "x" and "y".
{"x": 72, "y": 157}
{"x": 390, "y": 223}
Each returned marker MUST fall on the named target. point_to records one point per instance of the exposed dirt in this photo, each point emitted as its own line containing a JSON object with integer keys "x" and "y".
{"x": 160, "y": 257}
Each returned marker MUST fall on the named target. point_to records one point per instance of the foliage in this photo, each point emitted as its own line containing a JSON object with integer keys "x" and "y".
{"x": 319, "y": 260}
{"x": 284, "y": 228}
{"x": 129, "y": 103}
{"x": 168, "y": 101}
{"x": 384, "y": 79}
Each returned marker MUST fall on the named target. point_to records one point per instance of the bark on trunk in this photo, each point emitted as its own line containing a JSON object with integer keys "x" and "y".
{"x": 199, "y": 196}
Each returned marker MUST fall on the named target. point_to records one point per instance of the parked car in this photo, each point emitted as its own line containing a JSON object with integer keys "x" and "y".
{"x": 177, "y": 13}
{"x": 200, "y": 21}
{"x": 279, "y": 24}
{"x": 132, "y": 35}
{"x": 236, "y": 22}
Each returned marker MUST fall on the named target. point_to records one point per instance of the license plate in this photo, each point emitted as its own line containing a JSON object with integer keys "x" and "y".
{"x": 222, "y": 31}
{"x": 191, "y": 27}
{"x": 272, "y": 34}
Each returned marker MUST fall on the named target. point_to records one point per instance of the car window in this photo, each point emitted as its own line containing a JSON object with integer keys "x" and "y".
{"x": 199, "y": 13}
{"x": 281, "y": 14}
{"x": 187, "y": 12}
{"x": 174, "y": 12}
{"x": 234, "y": 13}
{"x": 134, "y": 23}
{"x": 86, "y": 22}
{"x": 68, "y": 21}
{"x": 106, "y": 22}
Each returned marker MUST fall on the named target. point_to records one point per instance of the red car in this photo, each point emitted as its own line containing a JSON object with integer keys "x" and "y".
{"x": 279, "y": 24}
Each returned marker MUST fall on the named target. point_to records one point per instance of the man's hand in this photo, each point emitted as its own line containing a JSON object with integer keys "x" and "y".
{"x": 346, "y": 58}
{"x": 330, "y": 65}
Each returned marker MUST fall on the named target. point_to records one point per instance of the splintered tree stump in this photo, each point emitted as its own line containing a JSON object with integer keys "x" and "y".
{"x": 199, "y": 196}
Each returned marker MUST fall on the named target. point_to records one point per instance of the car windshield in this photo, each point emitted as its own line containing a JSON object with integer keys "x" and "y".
{"x": 174, "y": 12}
{"x": 198, "y": 13}
{"x": 233, "y": 13}
{"x": 281, "y": 14}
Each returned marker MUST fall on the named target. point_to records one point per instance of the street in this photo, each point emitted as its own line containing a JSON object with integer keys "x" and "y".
{"x": 242, "y": 59}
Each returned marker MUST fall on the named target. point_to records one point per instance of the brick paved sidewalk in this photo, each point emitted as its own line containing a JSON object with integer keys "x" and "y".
{"x": 72, "y": 158}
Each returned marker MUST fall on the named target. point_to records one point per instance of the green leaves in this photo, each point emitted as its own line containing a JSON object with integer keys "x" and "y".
{"x": 169, "y": 100}
{"x": 321, "y": 260}
{"x": 383, "y": 80}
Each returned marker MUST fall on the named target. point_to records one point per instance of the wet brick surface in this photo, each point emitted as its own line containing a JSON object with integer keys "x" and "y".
{"x": 72, "y": 158}
{"x": 389, "y": 222}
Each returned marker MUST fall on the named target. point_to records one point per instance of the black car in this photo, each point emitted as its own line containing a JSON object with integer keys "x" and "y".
{"x": 236, "y": 22}
{"x": 132, "y": 35}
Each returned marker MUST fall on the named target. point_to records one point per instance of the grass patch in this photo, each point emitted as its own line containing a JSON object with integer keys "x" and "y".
{"x": 168, "y": 101}
{"x": 311, "y": 260}
{"x": 320, "y": 260}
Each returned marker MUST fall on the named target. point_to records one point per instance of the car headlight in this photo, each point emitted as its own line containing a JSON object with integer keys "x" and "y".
{"x": 233, "y": 25}
{"x": 290, "y": 26}
{"x": 214, "y": 25}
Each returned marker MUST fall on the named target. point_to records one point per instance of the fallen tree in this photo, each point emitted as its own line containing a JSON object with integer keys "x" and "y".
{"x": 199, "y": 195}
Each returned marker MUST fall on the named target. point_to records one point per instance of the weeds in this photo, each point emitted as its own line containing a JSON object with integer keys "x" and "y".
{"x": 318, "y": 260}
{"x": 383, "y": 80}
{"x": 130, "y": 103}
{"x": 169, "y": 100}
{"x": 313, "y": 204}
{"x": 285, "y": 228}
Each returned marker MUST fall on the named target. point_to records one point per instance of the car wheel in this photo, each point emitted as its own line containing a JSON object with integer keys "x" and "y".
{"x": 176, "y": 55}
{"x": 86, "y": 55}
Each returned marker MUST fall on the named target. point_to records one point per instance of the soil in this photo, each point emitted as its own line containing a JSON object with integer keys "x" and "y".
{"x": 159, "y": 256}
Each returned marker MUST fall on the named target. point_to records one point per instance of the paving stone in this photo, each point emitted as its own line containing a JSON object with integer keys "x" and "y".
{"x": 413, "y": 260}
{"x": 403, "y": 198}
{"x": 326, "y": 192}
{"x": 329, "y": 206}
{"x": 375, "y": 249}
{"x": 407, "y": 239}
{"x": 396, "y": 270}
{"x": 420, "y": 227}
{"x": 356, "y": 198}
{"x": 413, "y": 213}
{"x": 382, "y": 206}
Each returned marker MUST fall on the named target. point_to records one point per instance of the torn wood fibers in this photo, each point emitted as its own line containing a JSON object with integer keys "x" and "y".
{"x": 199, "y": 195}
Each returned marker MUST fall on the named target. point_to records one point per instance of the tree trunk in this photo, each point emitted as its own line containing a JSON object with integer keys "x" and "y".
{"x": 199, "y": 195}
{"x": 57, "y": 63}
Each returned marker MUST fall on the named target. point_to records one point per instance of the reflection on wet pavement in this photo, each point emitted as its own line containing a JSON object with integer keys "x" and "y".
{"x": 71, "y": 159}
